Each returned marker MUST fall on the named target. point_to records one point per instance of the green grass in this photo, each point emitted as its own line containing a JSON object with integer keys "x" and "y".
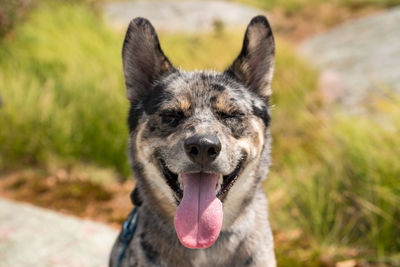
{"x": 62, "y": 87}
{"x": 334, "y": 179}
{"x": 334, "y": 186}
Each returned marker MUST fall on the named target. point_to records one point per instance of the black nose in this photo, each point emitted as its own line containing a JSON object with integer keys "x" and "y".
{"x": 202, "y": 149}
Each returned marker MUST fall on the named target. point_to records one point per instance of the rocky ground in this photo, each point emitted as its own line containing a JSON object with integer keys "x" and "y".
{"x": 359, "y": 59}
{"x": 31, "y": 236}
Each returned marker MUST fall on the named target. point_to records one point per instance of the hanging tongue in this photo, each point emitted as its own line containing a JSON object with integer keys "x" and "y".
{"x": 198, "y": 219}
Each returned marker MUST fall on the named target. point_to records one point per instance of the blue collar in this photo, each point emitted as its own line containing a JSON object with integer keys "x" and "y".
{"x": 128, "y": 231}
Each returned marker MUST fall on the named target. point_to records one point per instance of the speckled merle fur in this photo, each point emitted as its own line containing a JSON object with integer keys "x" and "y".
{"x": 170, "y": 105}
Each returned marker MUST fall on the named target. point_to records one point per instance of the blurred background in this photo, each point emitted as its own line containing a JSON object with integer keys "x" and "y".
{"x": 334, "y": 186}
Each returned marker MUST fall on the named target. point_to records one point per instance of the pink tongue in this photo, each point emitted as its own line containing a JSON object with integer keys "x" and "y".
{"x": 198, "y": 219}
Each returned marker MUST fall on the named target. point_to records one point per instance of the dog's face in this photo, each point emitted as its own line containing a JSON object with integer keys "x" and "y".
{"x": 198, "y": 139}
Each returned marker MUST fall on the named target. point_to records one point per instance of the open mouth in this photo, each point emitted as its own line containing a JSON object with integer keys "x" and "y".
{"x": 225, "y": 182}
{"x": 199, "y": 195}
{"x": 172, "y": 179}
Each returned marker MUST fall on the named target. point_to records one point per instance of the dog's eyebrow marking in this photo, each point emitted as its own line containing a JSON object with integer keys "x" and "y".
{"x": 148, "y": 250}
{"x": 180, "y": 103}
{"x": 184, "y": 104}
{"x": 220, "y": 103}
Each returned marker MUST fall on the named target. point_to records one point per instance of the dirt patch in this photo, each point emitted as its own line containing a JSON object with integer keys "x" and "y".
{"x": 70, "y": 194}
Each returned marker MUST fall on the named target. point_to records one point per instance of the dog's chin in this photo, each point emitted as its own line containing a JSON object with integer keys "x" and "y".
{"x": 222, "y": 187}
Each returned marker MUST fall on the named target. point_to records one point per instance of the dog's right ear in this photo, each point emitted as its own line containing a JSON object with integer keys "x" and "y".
{"x": 255, "y": 64}
{"x": 142, "y": 58}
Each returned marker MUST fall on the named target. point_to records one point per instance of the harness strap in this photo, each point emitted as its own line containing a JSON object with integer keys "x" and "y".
{"x": 128, "y": 231}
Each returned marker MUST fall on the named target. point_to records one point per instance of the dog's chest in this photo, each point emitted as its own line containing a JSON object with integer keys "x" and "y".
{"x": 204, "y": 258}
{"x": 219, "y": 255}
{"x": 200, "y": 259}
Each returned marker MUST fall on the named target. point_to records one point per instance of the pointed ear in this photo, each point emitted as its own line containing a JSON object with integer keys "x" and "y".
{"x": 142, "y": 57}
{"x": 255, "y": 64}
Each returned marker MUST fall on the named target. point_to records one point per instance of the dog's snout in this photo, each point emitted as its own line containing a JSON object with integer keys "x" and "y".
{"x": 202, "y": 149}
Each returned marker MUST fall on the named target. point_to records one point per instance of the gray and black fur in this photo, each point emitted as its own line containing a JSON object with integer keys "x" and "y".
{"x": 170, "y": 106}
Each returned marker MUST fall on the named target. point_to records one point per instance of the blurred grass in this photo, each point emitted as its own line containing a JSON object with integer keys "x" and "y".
{"x": 334, "y": 186}
{"x": 293, "y": 6}
{"x": 62, "y": 88}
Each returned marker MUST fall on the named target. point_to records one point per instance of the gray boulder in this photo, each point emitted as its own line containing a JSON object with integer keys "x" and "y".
{"x": 31, "y": 236}
{"x": 358, "y": 59}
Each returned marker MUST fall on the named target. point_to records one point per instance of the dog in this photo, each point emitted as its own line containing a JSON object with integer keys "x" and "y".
{"x": 199, "y": 146}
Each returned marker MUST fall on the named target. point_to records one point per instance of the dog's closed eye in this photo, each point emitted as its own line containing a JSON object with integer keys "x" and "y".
{"x": 172, "y": 117}
{"x": 223, "y": 115}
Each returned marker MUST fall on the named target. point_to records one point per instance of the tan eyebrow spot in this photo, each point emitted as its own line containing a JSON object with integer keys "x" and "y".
{"x": 180, "y": 103}
{"x": 222, "y": 104}
{"x": 184, "y": 104}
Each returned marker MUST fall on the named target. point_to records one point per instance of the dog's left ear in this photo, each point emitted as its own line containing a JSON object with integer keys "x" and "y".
{"x": 143, "y": 60}
{"x": 255, "y": 64}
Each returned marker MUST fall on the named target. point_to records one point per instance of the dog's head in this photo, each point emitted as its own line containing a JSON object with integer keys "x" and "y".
{"x": 198, "y": 139}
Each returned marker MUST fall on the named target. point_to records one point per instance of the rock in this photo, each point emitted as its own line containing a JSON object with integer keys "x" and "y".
{"x": 189, "y": 16}
{"x": 361, "y": 56}
{"x": 31, "y": 236}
